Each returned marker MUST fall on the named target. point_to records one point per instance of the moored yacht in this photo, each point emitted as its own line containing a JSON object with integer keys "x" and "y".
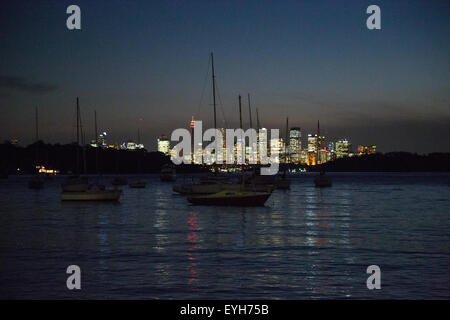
{"x": 239, "y": 198}
{"x": 92, "y": 193}
{"x": 322, "y": 180}
{"x": 77, "y": 188}
{"x": 168, "y": 173}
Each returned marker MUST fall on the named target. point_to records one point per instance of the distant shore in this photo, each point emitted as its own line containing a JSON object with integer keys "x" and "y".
{"x": 22, "y": 160}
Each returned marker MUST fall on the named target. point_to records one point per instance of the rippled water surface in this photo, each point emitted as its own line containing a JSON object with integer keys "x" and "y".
{"x": 306, "y": 243}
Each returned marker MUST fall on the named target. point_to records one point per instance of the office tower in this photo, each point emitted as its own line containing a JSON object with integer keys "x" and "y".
{"x": 163, "y": 144}
{"x": 312, "y": 142}
{"x": 343, "y": 148}
{"x": 295, "y": 144}
{"x": 277, "y": 148}
{"x": 262, "y": 142}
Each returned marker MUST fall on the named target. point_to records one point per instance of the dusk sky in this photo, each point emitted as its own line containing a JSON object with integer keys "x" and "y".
{"x": 149, "y": 60}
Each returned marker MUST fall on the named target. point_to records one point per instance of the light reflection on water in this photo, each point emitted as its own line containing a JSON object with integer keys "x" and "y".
{"x": 307, "y": 242}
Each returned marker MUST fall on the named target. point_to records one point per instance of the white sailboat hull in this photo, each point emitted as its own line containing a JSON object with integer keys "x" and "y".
{"x": 97, "y": 195}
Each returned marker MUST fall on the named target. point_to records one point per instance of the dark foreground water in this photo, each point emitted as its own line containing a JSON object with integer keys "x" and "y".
{"x": 306, "y": 243}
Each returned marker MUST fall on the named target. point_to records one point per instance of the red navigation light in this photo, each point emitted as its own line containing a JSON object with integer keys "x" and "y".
{"x": 192, "y": 122}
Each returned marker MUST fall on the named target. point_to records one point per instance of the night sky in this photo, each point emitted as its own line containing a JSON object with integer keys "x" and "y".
{"x": 145, "y": 64}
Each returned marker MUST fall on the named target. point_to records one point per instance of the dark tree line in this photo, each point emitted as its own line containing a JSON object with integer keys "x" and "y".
{"x": 391, "y": 162}
{"x": 69, "y": 158}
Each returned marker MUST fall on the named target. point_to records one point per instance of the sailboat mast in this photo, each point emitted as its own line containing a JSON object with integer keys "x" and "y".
{"x": 240, "y": 125}
{"x": 240, "y": 112}
{"x": 250, "y": 111}
{"x": 80, "y": 128}
{"x": 286, "y": 142}
{"x": 37, "y": 139}
{"x": 77, "y": 165}
{"x": 257, "y": 120}
{"x": 96, "y": 141}
{"x": 37, "y": 128}
{"x": 95, "y": 128}
{"x": 318, "y": 145}
{"x": 78, "y": 122}
{"x": 214, "y": 89}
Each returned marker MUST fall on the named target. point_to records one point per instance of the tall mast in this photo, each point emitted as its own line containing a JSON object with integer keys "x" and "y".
{"x": 96, "y": 141}
{"x": 250, "y": 111}
{"x": 37, "y": 128}
{"x": 139, "y": 151}
{"x": 78, "y": 123}
{"x": 37, "y": 139}
{"x": 257, "y": 120}
{"x": 95, "y": 127}
{"x": 318, "y": 137}
{"x": 82, "y": 136}
{"x": 214, "y": 89}
{"x": 240, "y": 112}
{"x": 240, "y": 124}
{"x": 77, "y": 167}
{"x": 286, "y": 142}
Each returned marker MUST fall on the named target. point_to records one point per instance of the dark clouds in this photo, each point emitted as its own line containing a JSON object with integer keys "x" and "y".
{"x": 25, "y": 85}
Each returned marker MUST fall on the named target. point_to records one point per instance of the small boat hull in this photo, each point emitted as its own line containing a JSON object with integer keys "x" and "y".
{"x": 36, "y": 183}
{"x": 168, "y": 173}
{"x": 167, "y": 177}
{"x": 322, "y": 181}
{"x": 251, "y": 200}
{"x": 97, "y": 195}
{"x": 283, "y": 183}
{"x": 204, "y": 189}
{"x": 119, "y": 181}
{"x": 138, "y": 185}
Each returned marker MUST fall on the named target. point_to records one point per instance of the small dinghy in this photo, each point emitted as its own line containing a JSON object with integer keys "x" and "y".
{"x": 322, "y": 180}
{"x": 119, "y": 181}
{"x": 138, "y": 185}
{"x": 168, "y": 173}
{"x": 36, "y": 182}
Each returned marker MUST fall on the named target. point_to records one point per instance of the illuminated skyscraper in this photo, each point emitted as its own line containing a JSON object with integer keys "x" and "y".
{"x": 312, "y": 143}
{"x": 295, "y": 144}
{"x": 312, "y": 149}
{"x": 262, "y": 142}
{"x": 277, "y": 148}
{"x": 164, "y": 144}
{"x": 343, "y": 148}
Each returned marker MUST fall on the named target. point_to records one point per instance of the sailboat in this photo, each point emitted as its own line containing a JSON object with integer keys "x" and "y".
{"x": 118, "y": 180}
{"x": 76, "y": 188}
{"x": 237, "y": 197}
{"x": 284, "y": 181}
{"x": 168, "y": 173}
{"x": 322, "y": 180}
{"x": 36, "y": 182}
{"x": 232, "y": 198}
{"x": 139, "y": 184}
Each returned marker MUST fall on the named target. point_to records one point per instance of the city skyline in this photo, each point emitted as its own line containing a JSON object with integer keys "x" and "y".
{"x": 145, "y": 66}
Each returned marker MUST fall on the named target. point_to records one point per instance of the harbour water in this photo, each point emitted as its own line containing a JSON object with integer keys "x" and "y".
{"x": 307, "y": 243}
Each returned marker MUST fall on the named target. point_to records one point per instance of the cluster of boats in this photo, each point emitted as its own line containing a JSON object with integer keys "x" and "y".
{"x": 214, "y": 189}
{"x": 77, "y": 188}
{"x": 219, "y": 190}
